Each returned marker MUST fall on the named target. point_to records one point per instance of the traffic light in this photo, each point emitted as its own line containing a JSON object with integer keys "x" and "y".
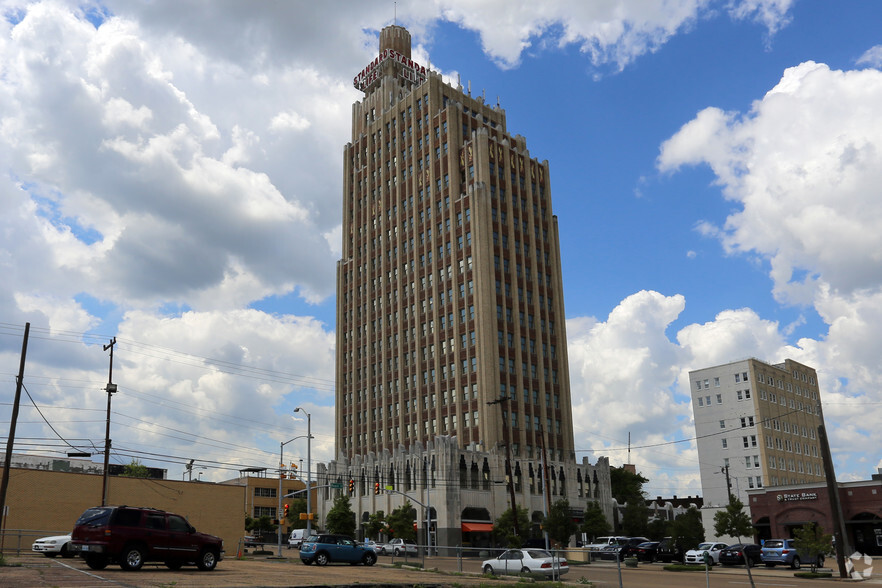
{"x": 377, "y": 488}
{"x": 351, "y": 486}
{"x": 286, "y": 511}
{"x": 293, "y": 470}
{"x": 282, "y": 471}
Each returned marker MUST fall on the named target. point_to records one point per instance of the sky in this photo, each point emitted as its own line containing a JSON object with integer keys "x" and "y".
{"x": 170, "y": 176}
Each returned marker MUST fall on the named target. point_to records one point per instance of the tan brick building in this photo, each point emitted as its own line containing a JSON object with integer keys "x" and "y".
{"x": 45, "y": 503}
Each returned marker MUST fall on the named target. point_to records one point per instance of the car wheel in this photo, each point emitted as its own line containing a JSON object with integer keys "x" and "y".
{"x": 795, "y": 563}
{"x": 397, "y": 552}
{"x": 321, "y": 559}
{"x": 207, "y": 560}
{"x": 65, "y": 550}
{"x": 132, "y": 558}
{"x": 488, "y": 569}
{"x": 369, "y": 559}
{"x": 525, "y": 570}
{"x": 96, "y": 562}
{"x": 173, "y": 565}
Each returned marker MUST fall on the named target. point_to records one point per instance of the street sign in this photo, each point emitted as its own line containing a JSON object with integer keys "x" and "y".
{"x": 337, "y": 485}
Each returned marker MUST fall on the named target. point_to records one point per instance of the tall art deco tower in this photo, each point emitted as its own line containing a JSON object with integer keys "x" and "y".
{"x": 449, "y": 289}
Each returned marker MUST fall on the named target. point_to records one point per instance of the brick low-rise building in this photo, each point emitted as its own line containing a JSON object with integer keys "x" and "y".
{"x": 777, "y": 512}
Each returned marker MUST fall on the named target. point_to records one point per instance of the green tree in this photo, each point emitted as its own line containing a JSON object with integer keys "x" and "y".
{"x": 595, "y": 523}
{"x": 298, "y": 505}
{"x": 340, "y": 518}
{"x": 559, "y": 522}
{"x": 733, "y": 521}
{"x": 375, "y": 524}
{"x": 625, "y": 484}
{"x": 260, "y": 526}
{"x": 400, "y": 521}
{"x": 635, "y": 519}
{"x": 135, "y": 470}
{"x": 811, "y": 542}
{"x": 658, "y": 529}
{"x": 503, "y": 529}
{"x": 687, "y": 531}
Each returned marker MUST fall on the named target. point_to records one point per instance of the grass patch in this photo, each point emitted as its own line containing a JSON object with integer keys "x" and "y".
{"x": 414, "y": 564}
{"x": 683, "y": 568}
{"x": 813, "y": 575}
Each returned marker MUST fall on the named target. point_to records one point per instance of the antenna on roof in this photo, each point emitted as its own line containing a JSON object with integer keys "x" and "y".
{"x": 395, "y": 13}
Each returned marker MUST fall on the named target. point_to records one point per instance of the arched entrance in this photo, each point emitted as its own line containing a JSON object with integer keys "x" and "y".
{"x": 866, "y": 533}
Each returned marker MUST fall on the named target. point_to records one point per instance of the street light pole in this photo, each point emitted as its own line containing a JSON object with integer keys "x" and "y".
{"x": 308, "y": 469}
{"x": 281, "y": 467}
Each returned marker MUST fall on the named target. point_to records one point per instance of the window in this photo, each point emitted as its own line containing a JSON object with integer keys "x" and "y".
{"x": 725, "y": 443}
{"x": 722, "y": 424}
{"x": 719, "y": 399}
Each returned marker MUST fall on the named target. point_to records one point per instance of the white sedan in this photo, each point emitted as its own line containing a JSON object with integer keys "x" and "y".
{"x": 52, "y": 546}
{"x": 696, "y": 556}
{"x": 526, "y": 561}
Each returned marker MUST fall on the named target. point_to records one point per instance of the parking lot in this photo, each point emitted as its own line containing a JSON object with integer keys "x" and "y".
{"x": 34, "y": 570}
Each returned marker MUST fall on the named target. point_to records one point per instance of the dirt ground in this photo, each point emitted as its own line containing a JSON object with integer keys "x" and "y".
{"x": 28, "y": 571}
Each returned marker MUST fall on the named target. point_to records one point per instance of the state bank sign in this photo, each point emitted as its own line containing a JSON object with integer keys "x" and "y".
{"x": 795, "y": 497}
{"x": 412, "y": 71}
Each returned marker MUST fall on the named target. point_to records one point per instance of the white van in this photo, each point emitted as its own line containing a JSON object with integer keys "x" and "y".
{"x": 296, "y": 538}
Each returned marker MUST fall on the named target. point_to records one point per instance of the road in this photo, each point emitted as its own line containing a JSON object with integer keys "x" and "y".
{"x": 37, "y": 571}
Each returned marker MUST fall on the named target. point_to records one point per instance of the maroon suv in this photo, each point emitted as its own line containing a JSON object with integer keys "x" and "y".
{"x": 130, "y": 536}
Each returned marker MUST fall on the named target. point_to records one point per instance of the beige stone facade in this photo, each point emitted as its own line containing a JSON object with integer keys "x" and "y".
{"x": 449, "y": 288}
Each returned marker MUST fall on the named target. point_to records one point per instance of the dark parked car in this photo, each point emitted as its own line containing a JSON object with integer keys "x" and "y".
{"x": 131, "y": 536}
{"x": 324, "y": 549}
{"x": 647, "y": 551}
{"x": 734, "y": 554}
{"x": 668, "y": 551}
{"x": 627, "y": 548}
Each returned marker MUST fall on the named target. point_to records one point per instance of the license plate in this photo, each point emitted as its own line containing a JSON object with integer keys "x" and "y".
{"x": 84, "y": 548}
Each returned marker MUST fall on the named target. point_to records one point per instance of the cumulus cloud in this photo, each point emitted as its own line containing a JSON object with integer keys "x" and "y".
{"x": 614, "y": 32}
{"x": 803, "y": 166}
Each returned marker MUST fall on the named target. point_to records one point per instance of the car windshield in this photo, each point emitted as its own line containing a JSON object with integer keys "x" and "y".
{"x": 704, "y": 546}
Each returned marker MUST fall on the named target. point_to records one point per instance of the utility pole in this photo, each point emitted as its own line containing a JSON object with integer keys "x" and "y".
{"x": 545, "y": 489}
{"x": 10, "y": 441}
{"x": 833, "y": 496}
{"x": 509, "y": 478}
{"x": 725, "y": 470}
{"x": 111, "y": 388}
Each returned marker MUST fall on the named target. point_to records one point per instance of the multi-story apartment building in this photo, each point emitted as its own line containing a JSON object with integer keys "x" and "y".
{"x": 449, "y": 288}
{"x": 761, "y": 422}
{"x": 451, "y": 340}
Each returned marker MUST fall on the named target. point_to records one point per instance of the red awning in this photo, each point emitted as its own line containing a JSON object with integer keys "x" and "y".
{"x": 479, "y": 527}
